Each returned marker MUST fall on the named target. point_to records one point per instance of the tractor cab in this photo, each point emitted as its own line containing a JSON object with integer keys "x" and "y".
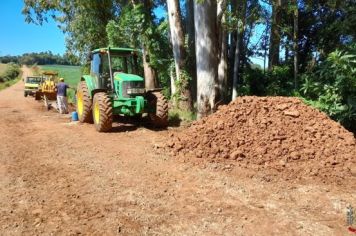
{"x": 116, "y": 68}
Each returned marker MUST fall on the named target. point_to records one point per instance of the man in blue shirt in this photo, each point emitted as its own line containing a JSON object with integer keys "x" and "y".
{"x": 62, "y": 96}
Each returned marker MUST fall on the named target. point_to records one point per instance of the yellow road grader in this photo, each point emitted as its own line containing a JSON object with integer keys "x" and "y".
{"x": 47, "y": 90}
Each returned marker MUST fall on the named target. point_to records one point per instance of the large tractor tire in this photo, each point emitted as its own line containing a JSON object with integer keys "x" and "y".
{"x": 84, "y": 103}
{"x": 159, "y": 118}
{"x": 102, "y": 112}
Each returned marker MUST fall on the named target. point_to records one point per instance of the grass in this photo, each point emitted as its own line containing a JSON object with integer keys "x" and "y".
{"x": 9, "y": 83}
{"x": 176, "y": 117}
{"x": 71, "y": 75}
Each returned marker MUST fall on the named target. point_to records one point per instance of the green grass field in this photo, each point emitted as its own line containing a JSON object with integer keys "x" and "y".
{"x": 71, "y": 75}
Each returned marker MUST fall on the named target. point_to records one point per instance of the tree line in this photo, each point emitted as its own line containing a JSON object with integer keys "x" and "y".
{"x": 41, "y": 58}
{"x": 202, "y": 52}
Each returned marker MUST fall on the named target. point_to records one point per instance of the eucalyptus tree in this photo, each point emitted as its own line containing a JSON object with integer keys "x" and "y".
{"x": 180, "y": 82}
{"x": 205, "y": 15}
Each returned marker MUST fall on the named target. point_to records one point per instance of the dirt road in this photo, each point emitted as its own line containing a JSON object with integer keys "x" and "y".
{"x": 63, "y": 178}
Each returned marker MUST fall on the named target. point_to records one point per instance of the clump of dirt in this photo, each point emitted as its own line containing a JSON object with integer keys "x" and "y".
{"x": 271, "y": 133}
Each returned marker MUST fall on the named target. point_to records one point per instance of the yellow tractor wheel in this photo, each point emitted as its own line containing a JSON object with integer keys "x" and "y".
{"x": 102, "y": 112}
{"x": 84, "y": 103}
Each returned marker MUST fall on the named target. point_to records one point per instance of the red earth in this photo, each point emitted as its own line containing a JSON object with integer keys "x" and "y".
{"x": 280, "y": 137}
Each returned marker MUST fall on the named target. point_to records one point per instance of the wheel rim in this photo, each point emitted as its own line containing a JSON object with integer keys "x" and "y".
{"x": 80, "y": 105}
{"x": 96, "y": 113}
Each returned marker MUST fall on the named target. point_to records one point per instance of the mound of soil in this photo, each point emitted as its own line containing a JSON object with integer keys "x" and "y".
{"x": 271, "y": 133}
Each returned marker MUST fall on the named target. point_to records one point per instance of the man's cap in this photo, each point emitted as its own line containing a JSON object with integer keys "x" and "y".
{"x": 61, "y": 79}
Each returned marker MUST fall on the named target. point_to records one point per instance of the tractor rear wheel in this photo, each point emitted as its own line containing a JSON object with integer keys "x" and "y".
{"x": 84, "y": 103}
{"x": 157, "y": 101}
{"x": 102, "y": 112}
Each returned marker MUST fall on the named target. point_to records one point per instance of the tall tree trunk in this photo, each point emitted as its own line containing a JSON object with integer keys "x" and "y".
{"x": 176, "y": 33}
{"x": 177, "y": 39}
{"x": 265, "y": 48}
{"x": 222, "y": 67}
{"x": 191, "y": 62}
{"x": 207, "y": 65}
{"x": 295, "y": 43}
{"x": 173, "y": 79}
{"x": 232, "y": 47}
{"x": 189, "y": 5}
{"x": 236, "y": 66}
{"x": 286, "y": 52}
{"x": 275, "y": 37}
{"x": 149, "y": 71}
{"x": 238, "y": 50}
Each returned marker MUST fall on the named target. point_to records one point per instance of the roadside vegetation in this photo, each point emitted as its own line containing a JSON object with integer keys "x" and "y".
{"x": 3, "y": 67}
{"x": 331, "y": 87}
{"x": 9, "y": 75}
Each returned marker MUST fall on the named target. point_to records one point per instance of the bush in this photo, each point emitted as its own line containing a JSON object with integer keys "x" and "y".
{"x": 11, "y": 73}
{"x": 331, "y": 87}
{"x": 280, "y": 81}
{"x": 253, "y": 82}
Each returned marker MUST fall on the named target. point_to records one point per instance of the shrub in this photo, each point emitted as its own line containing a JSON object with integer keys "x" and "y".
{"x": 11, "y": 73}
{"x": 331, "y": 87}
{"x": 280, "y": 81}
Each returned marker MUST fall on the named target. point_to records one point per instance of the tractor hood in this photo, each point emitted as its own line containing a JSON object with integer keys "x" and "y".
{"x": 120, "y": 76}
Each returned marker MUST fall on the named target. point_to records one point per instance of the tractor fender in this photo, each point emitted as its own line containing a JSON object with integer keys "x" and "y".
{"x": 90, "y": 82}
{"x": 94, "y": 91}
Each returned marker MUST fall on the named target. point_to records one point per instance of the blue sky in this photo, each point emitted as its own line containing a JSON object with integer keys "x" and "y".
{"x": 18, "y": 37}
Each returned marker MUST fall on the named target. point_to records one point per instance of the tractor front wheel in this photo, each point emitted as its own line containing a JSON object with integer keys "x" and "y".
{"x": 84, "y": 103}
{"x": 102, "y": 112}
{"x": 157, "y": 101}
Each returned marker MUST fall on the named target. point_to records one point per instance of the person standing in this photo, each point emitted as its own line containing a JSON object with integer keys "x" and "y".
{"x": 62, "y": 96}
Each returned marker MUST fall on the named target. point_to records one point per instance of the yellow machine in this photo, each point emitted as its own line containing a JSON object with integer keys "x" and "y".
{"x": 47, "y": 89}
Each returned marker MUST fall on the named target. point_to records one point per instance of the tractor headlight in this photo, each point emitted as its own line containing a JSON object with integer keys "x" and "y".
{"x": 136, "y": 91}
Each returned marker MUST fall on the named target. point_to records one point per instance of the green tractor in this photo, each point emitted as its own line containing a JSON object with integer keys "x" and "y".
{"x": 115, "y": 87}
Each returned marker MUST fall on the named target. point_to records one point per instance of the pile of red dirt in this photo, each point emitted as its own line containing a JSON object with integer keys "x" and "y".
{"x": 271, "y": 133}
